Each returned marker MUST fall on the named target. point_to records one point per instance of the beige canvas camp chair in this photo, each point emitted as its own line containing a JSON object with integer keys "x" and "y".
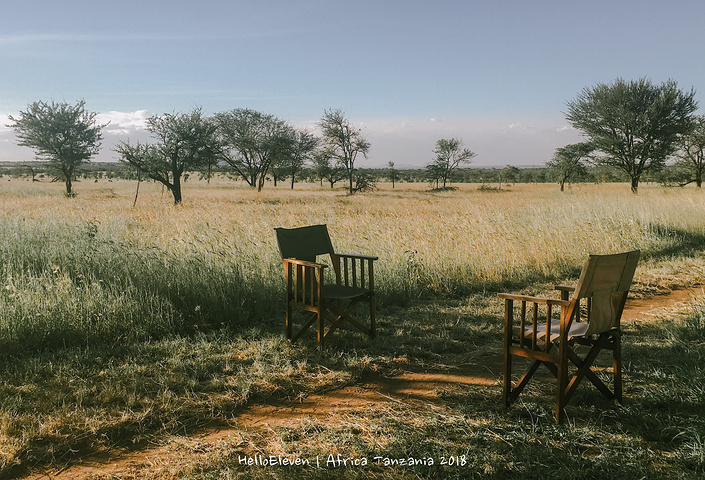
{"x": 591, "y": 316}
{"x": 306, "y": 288}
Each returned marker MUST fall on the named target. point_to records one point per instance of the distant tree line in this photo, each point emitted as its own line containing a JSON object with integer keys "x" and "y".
{"x": 673, "y": 174}
{"x": 249, "y": 144}
{"x": 634, "y": 131}
{"x": 499, "y": 176}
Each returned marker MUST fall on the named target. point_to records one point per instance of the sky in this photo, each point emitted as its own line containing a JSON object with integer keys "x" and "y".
{"x": 495, "y": 73}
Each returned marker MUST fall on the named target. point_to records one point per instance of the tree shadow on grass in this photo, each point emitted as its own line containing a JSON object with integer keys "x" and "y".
{"x": 676, "y": 242}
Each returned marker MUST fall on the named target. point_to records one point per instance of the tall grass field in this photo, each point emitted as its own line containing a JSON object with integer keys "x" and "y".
{"x": 125, "y": 323}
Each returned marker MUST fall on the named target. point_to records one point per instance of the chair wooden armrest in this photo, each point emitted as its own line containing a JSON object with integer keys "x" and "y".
{"x": 303, "y": 263}
{"x": 529, "y": 298}
{"x": 354, "y": 255}
{"x": 354, "y": 270}
{"x": 304, "y": 282}
{"x": 564, "y": 288}
{"x": 529, "y": 333}
{"x": 565, "y": 291}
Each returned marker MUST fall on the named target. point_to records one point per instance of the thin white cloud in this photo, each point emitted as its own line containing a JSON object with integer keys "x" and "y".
{"x": 124, "y": 123}
{"x": 519, "y": 126}
{"x": 35, "y": 38}
{"x": 497, "y": 141}
{"x": 42, "y": 38}
{"x": 123, "y": 126}
{"x": 4, "y": 122}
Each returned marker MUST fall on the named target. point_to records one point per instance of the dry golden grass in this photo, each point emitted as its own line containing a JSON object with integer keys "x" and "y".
{"x": 425, "y": 240}
{"x": 82, "y": 275}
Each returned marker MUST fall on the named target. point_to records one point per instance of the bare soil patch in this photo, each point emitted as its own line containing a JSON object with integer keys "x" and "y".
{"x": 424, "y": 390}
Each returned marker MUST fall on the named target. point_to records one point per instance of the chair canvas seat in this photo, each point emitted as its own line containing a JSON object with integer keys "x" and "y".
{"x": 576, "y": 330}
{"x": 342, "y": 292}
{"x": 591, "y": 317}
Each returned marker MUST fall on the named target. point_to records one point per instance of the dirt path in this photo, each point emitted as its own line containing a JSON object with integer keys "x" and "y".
{"x": 412, "y": 388}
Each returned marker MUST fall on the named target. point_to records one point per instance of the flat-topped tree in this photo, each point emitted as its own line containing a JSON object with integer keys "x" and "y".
{"x": 450, "y": 153}
{"x": 64, "y": 135}
{"x": 635, "y": 125}
{"x": 567, "y": 162}
{"x": 252, "y": 141}
{"x": 300, "y": 148}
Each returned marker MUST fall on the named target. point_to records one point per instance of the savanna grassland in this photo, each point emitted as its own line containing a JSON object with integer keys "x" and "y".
{"x": 126, "y": 326}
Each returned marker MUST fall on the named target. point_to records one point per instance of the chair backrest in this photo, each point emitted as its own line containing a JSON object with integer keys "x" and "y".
{"x": 304, "y": 243}
{"x": 605, "y": 282}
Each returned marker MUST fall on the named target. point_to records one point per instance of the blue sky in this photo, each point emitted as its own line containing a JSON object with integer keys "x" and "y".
{"x": 497, "y": 73}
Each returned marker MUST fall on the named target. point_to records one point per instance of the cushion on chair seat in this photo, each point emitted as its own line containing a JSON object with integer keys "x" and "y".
{"x": 340, "y": 292}
{"x": 576, "y": 330}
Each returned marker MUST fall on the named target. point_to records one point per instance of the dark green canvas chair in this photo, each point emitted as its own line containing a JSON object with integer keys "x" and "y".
{"x": 590, "y": 315}
{"x": 330, "y": 303}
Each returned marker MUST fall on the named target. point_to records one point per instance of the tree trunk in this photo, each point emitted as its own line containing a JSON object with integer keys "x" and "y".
{"x": 699, "y": 179}
{"x": 69, "y": 186}
{"x": 293, "y": 178}
{"x": 137, "y": 192}
{"x": 350, "y": 178}
{"x": 562, "y": 185}
{"x": 176, "y": 189}
{"x": 635, "y": 185}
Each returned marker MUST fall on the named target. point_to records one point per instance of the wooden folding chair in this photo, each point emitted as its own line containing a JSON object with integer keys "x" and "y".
{"x": 307, "y": 290}
{"x": 591, "y": 316}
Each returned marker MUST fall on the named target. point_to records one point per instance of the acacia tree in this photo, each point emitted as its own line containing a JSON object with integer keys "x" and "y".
{"x": 692, "y": 151}
{"x": 508, "y": 174}
{"x": 326, "y": 168}
{"x": 450, "y": 153}
{"x": 64, "y": 135}
{"x": 567, "y": 162}
{"x": 635, "y": 125}
{"x": 300, "y": 149}
{"x": 392, "y": 172}
{"x": 209, "y": 163}
{"x": 343, "y": 142}
{"x": 184, "y": 142}
{"x": 252, "y": 142}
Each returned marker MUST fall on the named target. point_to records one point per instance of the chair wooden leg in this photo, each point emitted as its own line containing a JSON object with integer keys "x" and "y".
{"x": 321, "y": 326}
{"x": 289, "y": 313}
{"x": 507, "y": 382}
{"x": 617, "y": 364}
{"x": 338, "y": 316}
{"x": 523, "y": 381}
{"x": 305, "y": 327}
{"x": 334, "y": 321}
{"x": 373, "y": 324}
{"x": 561, "y": 399}
{"x": 585, "y": 371}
